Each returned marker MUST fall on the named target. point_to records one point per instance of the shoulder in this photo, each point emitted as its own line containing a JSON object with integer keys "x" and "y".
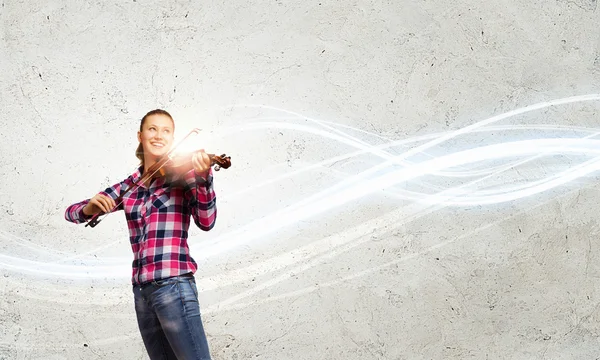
{"x": 130, "y": 180}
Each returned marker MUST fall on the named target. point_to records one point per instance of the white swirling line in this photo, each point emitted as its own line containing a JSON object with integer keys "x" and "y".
{"x": 325, "y": 198}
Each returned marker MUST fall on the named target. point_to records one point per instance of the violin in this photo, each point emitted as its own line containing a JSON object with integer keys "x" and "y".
{"x": 169, "y": 165}
{"x": 182, "y": 163}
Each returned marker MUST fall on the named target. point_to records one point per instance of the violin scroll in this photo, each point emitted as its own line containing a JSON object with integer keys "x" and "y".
{"x": 222, "y": 161}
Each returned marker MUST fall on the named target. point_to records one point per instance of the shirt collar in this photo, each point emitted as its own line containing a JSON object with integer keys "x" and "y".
{"x": 137, "y": 174}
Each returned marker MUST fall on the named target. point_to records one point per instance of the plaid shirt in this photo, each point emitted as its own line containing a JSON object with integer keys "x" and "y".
{"x": 158, "y": 218}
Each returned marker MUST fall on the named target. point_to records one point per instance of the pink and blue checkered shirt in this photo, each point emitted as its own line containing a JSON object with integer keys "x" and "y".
{"x": 158, "y": 218}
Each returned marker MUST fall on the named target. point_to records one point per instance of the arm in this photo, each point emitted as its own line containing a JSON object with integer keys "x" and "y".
{"x": 74, "y": 212}
{"x": 82, "y": 211}
{"x": 201, "y": 199}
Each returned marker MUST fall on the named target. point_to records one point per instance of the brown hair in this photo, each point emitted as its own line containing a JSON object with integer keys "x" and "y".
{"x": 139, "y": 152}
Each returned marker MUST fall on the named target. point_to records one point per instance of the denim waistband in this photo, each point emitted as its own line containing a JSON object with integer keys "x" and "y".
{"x": 188, "y": 275}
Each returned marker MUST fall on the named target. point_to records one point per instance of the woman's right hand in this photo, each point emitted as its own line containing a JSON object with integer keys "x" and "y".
{"x": 99, "y": 203}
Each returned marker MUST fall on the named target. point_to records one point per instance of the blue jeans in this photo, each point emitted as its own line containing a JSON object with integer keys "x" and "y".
{"x": 168, "y": 315}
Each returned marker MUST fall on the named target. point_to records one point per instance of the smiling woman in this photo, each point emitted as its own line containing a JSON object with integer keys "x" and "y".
{"x": 158, "y": 216}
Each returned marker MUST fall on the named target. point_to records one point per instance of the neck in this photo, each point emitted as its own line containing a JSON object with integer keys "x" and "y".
{"x": 148, "y": 162}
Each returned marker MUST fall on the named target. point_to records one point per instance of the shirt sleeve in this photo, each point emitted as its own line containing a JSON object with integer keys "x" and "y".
{"x": 201, "y": 199}
{"x": 74, "y": 212}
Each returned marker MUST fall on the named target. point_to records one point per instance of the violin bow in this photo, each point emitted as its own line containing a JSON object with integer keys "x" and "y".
{"x": 94, "y": 220}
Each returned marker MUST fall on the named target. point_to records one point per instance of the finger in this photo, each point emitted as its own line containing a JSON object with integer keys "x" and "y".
{"x": 106, "y": 201}
{"x": 97, "y": 204}
{"x": 103, "y": 204}
{"x": 196, "y": 163}
{"x": 101, "y": 201}
{"x": 112, "y": 203}
{"x": 203, "y": 158}
{"x": 206, "y": 159}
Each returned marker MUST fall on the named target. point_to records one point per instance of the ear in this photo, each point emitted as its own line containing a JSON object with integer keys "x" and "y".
{"x": 139, "y": 136}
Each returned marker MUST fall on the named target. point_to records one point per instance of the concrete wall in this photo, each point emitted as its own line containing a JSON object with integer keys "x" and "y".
{"x": 364, "y": 216}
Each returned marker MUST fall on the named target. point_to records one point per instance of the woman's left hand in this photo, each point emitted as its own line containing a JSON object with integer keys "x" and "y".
{"x": 201, "y": 163}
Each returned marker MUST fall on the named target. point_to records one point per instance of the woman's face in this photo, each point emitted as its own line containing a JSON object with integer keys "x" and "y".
{"x": 156, "y": 136}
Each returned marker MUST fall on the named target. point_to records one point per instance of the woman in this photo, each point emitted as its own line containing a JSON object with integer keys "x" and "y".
{"x": 158, "y": 217}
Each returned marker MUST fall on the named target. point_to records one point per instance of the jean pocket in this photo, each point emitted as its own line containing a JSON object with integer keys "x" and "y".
{"x": 192, "y": 286}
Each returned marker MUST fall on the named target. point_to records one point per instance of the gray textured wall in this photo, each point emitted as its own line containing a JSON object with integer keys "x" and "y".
{"x": 362, "y": 217}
